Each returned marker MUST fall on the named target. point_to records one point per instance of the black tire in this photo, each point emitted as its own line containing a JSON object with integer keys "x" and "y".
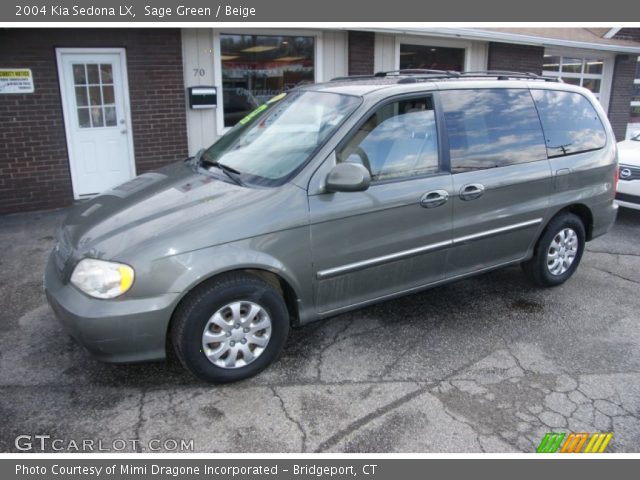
{"x": 537, "y": 269}
{"x": 193, "y": 313}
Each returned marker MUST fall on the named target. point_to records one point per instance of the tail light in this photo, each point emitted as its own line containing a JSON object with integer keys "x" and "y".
{"x": 616, "y": 177}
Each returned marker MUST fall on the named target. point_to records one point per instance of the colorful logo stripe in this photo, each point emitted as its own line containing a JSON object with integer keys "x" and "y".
{"x": 552, "y": 442}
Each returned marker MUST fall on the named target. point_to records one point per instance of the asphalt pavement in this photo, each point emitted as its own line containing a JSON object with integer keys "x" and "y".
{"x": 488, "y": 364}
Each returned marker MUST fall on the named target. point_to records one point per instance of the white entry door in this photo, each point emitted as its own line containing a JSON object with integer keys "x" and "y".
{"x": 95, "y": 101}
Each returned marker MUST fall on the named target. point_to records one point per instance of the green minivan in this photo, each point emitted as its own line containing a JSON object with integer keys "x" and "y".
{"x": 328, "y": 198}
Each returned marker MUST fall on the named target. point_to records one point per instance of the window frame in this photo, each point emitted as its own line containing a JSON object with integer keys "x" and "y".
{"x": 443, "y": 166}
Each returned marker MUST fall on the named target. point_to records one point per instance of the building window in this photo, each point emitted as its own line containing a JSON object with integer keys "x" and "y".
{"x": 431, "y": 57}
{"x": 582, "y": 71}
{"x": 257, "y": 67}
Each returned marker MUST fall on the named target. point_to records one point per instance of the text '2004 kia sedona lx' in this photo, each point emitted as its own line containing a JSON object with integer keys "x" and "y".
{"x": 328, "y": 198}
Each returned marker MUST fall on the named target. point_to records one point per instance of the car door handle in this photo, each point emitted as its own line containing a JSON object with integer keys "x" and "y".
{"x": 434, "y": 199}
{"x": 471, "y": 191}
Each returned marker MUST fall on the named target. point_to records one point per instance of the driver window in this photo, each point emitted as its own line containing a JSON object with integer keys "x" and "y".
{"x": 397, "y": 141}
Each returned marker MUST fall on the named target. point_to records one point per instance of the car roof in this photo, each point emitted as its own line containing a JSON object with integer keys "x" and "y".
{"x": 399, "y": 81}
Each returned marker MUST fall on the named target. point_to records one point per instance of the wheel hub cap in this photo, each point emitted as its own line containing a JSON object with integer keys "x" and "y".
{"x": 236, "y": 334}
{"x": 562, "y": 251}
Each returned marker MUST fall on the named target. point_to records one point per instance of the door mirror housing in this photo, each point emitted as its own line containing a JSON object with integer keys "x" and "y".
{"x": 348, "y": 177}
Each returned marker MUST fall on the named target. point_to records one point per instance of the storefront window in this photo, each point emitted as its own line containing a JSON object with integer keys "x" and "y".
{"x": 584, "y": 72}
{"x": 257, "y": 67}
{"x": 432, "y": 58}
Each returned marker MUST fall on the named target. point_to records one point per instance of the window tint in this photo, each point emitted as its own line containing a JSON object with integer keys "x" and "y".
{"x": 570, "y": 123}
{"x": 491, "y": 128}
{"x": 399, "y": 140}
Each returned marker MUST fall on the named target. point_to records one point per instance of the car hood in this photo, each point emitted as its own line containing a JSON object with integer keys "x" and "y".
{"x": 629, "y": 152}
{"x": 175, "y": 209}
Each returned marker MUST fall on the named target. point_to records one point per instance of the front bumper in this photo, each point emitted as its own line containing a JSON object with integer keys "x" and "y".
{"x": 117, "y": 331}
{"x": 628, "y": 194}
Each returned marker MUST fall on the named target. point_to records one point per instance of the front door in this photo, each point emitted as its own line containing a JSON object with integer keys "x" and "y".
{"x": 95, "y": 102}
{"x": 392, "y": 237}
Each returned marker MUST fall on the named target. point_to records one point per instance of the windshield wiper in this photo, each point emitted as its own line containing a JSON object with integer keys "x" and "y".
{"x": 230, "y": 172}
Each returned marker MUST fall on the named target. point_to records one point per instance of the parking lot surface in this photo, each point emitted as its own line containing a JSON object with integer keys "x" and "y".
{"x": 488, "y": 364}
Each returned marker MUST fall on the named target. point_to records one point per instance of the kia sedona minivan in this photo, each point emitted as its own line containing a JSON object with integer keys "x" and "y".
{"x": 329, "y": 198}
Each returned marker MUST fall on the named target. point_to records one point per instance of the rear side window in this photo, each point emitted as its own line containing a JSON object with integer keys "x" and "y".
{"x": 491, "y": 128}
{"x": 570, "y": 123}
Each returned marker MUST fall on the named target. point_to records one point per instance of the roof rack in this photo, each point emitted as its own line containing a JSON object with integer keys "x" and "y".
{"x": 414, "y": 75}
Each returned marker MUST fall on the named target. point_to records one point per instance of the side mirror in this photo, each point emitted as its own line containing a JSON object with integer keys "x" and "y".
{"x": 348, "y": 177}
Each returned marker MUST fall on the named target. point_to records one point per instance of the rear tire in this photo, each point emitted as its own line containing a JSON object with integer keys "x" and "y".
{"x": 558, "y": 252}
{"x": 230, "y": 328}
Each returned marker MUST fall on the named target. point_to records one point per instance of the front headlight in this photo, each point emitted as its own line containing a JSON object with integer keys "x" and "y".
{"x": 102, "y": 279}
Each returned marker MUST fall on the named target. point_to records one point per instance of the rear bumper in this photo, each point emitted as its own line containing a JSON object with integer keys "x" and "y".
{"x": 117, "y": 331}
{"x": 604, "y": 216}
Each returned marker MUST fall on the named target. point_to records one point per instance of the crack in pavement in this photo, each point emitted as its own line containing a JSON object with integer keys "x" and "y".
{"x": 362, "y": 421}
{"x": 303, "y": 446}
{"x": 140, "y": 422}
{"x": 614, "y": 274}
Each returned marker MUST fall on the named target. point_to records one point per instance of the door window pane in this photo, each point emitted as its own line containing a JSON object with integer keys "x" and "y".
{"x": 491, "y": 128}
{"x": 96, "y": 117}
{"x": 106, "y": 73}
{"x": 83, "y": 118}
{"x": 94, "y": 96}
{"x": 79, "y": 75}
{"x": 433, "y": 58}
{"x": 92, "y": 74}
{"x": 81, "y": 96}
{"x": 110, "y": 116}
{"x": 399, "y": 140}
{"x": 257, "y": 67}
{"x": 98, "y": 92}
{"x": 570, "y": 123}
{"x": 107, "y": 95}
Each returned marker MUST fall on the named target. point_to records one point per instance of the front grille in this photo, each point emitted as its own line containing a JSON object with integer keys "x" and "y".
{"x": 625, "y": 197}
{"x": 628, "y": 173}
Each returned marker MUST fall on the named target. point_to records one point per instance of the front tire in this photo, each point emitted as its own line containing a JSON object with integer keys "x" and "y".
{"x": 230, "y": 328}
{"x": 558, "y": 251}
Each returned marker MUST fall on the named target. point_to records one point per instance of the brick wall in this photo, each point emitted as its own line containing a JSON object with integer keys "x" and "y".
{"x": 361, "y": 52}
{"x": 34, "y": 166}
{"x": 517, "y": 58}
{"x": 621, "y": 90}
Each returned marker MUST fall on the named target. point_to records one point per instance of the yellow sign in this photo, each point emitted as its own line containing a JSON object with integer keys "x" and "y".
{"x": 16, "y": 80}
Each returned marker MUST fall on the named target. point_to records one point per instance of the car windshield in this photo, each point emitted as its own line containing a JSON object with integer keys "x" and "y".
{"x": 277, "y": 138}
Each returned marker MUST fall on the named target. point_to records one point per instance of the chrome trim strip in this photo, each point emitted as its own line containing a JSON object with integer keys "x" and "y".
{"x": 496, "y": 231}
{"x": 372, "y": 301}
{"x": 371, "y": 262}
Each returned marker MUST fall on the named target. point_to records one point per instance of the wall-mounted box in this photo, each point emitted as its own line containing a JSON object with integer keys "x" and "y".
{"x": 202, "y": 97}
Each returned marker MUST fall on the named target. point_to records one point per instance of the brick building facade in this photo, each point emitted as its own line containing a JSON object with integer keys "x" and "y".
{"x": 36, "y": 154}
{"x": 34, "y": 161}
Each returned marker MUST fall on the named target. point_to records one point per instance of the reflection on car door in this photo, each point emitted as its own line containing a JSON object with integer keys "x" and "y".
{"x": 501, "y": 176}
{"x": 391, "y": 237}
